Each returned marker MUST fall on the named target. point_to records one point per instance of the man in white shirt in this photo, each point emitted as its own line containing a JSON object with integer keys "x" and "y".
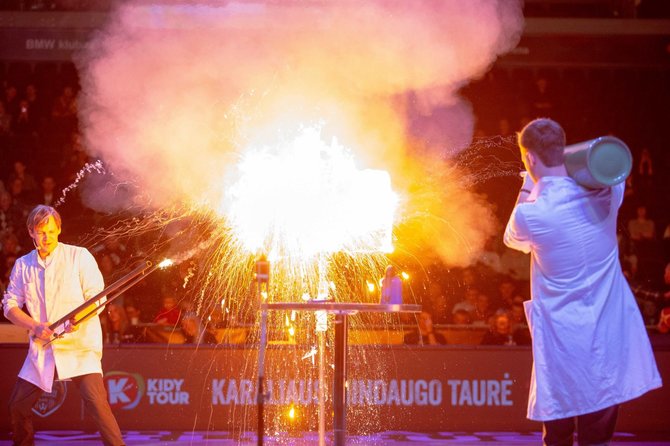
{"x": 51, "y": 281}
{"x": 590, "y": 347}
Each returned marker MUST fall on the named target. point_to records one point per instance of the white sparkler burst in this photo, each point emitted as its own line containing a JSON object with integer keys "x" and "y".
{"x": 165, "y": 263}
{"x": 305, "y": 197}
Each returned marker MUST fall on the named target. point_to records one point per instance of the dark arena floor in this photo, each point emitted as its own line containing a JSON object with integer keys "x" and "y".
{"x": 216, "y": 438}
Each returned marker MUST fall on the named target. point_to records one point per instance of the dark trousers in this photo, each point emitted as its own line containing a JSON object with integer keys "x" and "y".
{"x": 92, "y": 390}
{"x": 593, "y": 429}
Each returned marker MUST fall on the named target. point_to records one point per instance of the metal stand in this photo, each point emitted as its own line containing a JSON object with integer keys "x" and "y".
{"x": 340, "y": 380}
{"x": 341, "y": 310}
{"x": 322, "y": 389}
{"x": 260, "y": 398}
{"x": 262, "y": 281}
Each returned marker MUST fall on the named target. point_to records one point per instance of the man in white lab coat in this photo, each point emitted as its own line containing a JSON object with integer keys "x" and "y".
{"x": 51, "y": 281}
{"x": 590, "y": 347}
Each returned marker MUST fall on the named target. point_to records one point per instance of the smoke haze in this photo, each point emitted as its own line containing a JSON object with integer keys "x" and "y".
{"x": 172, "y": 94}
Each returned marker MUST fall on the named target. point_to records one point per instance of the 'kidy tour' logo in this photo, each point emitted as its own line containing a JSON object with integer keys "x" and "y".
{"x": 124, "y": 389}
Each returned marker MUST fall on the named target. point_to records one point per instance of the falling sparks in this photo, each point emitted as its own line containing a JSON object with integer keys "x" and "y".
{"x": 310, "y": 354}
{"x": 95, "y": 166}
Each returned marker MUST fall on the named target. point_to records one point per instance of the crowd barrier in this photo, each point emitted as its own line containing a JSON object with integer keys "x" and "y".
{"x": 422, "y": 388}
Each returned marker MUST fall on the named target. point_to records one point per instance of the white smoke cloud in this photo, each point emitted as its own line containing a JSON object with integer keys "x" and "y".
{"x": 172, "y": 93}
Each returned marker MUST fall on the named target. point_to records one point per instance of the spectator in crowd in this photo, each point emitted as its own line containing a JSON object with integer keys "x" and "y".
{"x": 645, "y": 173}
{"x": 469, "y": 303}
{"x": 542, "y": 99}
{"x": 135, "y": 333}
{"x": 193, "y": 331}
{"x": 469, "y": 278}
{"x": 500, "y": 332}
{"x": 48, "y": 194}
{"x": 114, "y": 248}
{"x": 461, "y": 317}
{"x": 664, "y": 298}
{"x": 25, "y": 122}
{"x": 116, "y": 324}
{"x": 507, "y": 293}
{"x": 12, "y": 99}
{"x": 425, "y": 333}
{"x": 504, "y": 127}
{"x": 20, "y": 203}
{"x": 133, "y": 312}
{"x": 436, "y": 303}
{"x": 5, "y": 121}
{"x": 6, "y": 265}
{"x": 490, "y": 257}
{"x": 520, "y": 331}
{"x": 65, "y": 106}
{"x": 20, "y": 171}
{"x": 10, "y": 245}
{"x": 35, "y": 104}
{"x": 10, "y": 214}
{"x": 641, "y": 228}
{"x": 169, "y": 312}
{"x": 482, "y": 312}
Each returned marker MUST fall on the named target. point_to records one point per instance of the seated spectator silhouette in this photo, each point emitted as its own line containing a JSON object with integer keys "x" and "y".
{"x": 664, "y": 299}
{"x": 10, "y": 215}
{"x": 9, "y": 245}
{"x": 461, "y": 317}
{"x": 193, "y": 331}
{"x": 28, "y": 180}
{"x": 116, "y": 324}
{"x": 48, "y": 193}
{"x": 469, "y": 303}
{"x": 641, "y": 227}
{"x": 482, "y": 312}
{"x": 520, "y": 330}
{"x": 500, "y": 332}
{"x": 169, "y": 312}
{"x": 134, "y": 333}
{"x": 424, "y": 333}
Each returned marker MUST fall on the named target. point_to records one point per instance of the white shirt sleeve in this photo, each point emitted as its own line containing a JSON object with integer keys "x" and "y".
{"x": 89, "y": 275}
{"x": 14, "y": 295}
{"x": 517, "y": 235}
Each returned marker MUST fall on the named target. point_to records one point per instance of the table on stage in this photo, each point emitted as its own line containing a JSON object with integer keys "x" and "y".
{"x": 341, "y": 311}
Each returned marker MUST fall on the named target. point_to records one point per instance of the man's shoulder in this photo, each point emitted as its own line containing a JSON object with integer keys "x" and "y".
{"x": 72, "y": 248}
{"x": 27, "y": 258}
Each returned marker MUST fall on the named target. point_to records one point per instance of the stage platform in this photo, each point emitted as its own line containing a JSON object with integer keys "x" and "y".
{"x": 390, "y": 438}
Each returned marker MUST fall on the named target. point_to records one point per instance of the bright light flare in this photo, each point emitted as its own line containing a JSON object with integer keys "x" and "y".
{"x": 165, "y": 263}
{"x": 304, "y": 197}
